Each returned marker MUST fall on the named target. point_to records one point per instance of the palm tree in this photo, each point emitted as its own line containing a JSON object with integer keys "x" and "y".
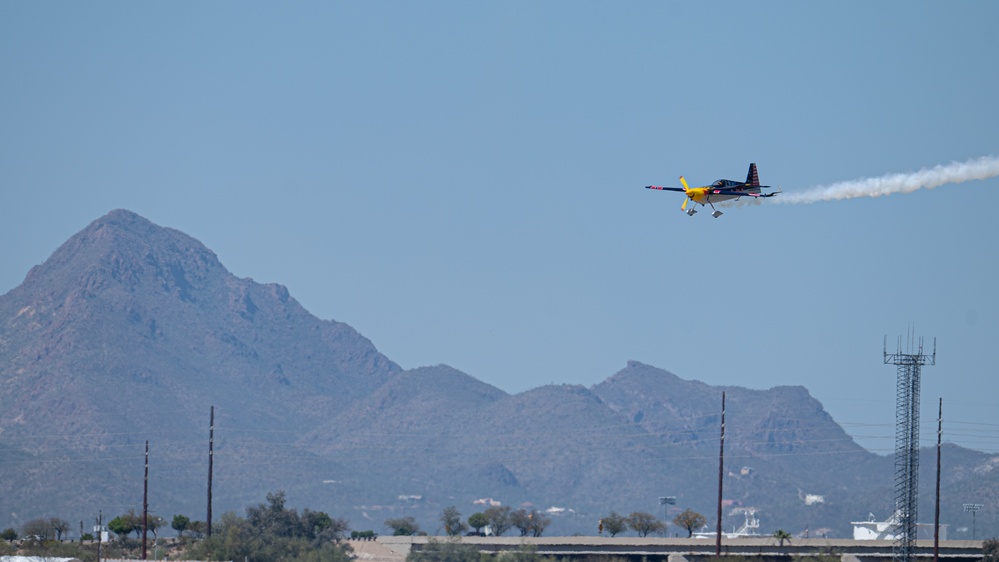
{"x": 782, "y": 535}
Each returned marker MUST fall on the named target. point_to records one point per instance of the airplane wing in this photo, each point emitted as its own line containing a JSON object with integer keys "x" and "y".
{"x": 661, "y": 188}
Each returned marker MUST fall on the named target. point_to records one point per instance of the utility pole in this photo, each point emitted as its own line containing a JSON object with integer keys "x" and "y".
{"x": 100, "y": 533}
{"x": 211, "y": 453}
{"x": 936, "y": 511}
{"x": 145, "y": 503}
{"x": 721, "y": 473}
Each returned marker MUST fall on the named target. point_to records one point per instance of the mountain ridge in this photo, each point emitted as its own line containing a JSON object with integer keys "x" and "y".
{"x": 130, "y": 331}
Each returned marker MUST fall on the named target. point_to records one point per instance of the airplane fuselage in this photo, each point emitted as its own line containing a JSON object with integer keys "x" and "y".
{"x": 704, "y": 195}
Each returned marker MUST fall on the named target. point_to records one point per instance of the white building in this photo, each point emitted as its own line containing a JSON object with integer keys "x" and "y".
{"x": 872, "y": 530}
{"x": 750, "y": 528}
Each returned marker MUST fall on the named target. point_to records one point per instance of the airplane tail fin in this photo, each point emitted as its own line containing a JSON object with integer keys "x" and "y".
{"x": 753, "y": 178}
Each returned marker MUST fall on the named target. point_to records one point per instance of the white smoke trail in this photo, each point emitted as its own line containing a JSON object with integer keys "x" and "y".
{"x": 927, "y": 178}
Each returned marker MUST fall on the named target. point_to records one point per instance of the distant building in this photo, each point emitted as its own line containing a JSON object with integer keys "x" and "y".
{"x": 812, "y": 499}
{"x": 750, "y": 528}
{"x": 101, "y": 533}
{"x": 872, "y": 530}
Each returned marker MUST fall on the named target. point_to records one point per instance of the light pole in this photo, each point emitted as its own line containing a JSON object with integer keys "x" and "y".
{"x": 973, "y": 508}
{"x": 666, "y": 501}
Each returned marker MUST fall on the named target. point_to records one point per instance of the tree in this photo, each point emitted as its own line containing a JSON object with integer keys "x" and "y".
{"x": 8, "y": 534}
{"x": 782, "y": 535}
{"x": 37, "y": 529}
{"x": 477, "y": 521}
{"x": 990, "y": 550}
{"x": 273, "y": 518}
{"x": 320, "y": 527}
{"x": 337, "y": 530}
{"x": 531, "y": 522}
{"x": 236, "y": 538}
{"x": 499, "y": 519}
{"x": 451, "y": 520}
{"x": 153, "y": 522}
{"x": 521, "y": 520}
{"x": 644, "y": 523}
{"x": 125, "y": 524}
{"x": 197, "y": 529}
{"x": 689, "y": 520}
{"x": 180, "y": 524}
{"x": 403, "y": 526}
{"x": 315, "y": 522}
{"x": 135, "y": 521}
{"x": 614, "y": 523}
{"x": 539, "y": 522}
{"x": 59, "y": 527}
{"x": 122, "y": 525}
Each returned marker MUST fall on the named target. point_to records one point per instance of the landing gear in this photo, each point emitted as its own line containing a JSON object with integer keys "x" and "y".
{"x": 691, "y": 211}
{"x": 714, "y": 212}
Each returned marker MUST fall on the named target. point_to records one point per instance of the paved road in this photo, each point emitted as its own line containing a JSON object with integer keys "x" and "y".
{"x": 679, "y": 550}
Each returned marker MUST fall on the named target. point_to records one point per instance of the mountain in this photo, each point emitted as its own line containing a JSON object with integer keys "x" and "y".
{"x": 145, "y": 312}
{"x": 780, "y": 445}
{"x": 130, "y": 332}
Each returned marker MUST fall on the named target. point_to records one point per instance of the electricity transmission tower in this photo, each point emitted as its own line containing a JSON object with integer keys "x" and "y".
{"x": 908, "y": 364}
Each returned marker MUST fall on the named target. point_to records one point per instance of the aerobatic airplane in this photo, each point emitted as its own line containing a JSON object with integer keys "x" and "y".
{"x": 721, "y": 190}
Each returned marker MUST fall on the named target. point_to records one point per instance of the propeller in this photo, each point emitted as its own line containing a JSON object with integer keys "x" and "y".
{"x": 686, "y": 191}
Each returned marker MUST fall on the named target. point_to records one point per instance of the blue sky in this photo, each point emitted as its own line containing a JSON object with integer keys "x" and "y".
{"x": 463, "y": 182}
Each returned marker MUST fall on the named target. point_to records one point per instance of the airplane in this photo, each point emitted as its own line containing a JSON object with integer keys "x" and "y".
{"x": 720, "y": 190}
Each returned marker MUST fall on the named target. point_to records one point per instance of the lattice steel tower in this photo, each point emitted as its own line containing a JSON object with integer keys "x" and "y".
{"x": 909, "y": 364}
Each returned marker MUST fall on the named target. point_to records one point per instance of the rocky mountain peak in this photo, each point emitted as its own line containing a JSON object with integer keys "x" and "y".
{"x": 125, "y": 251}
{"x": 151, "y": 312}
